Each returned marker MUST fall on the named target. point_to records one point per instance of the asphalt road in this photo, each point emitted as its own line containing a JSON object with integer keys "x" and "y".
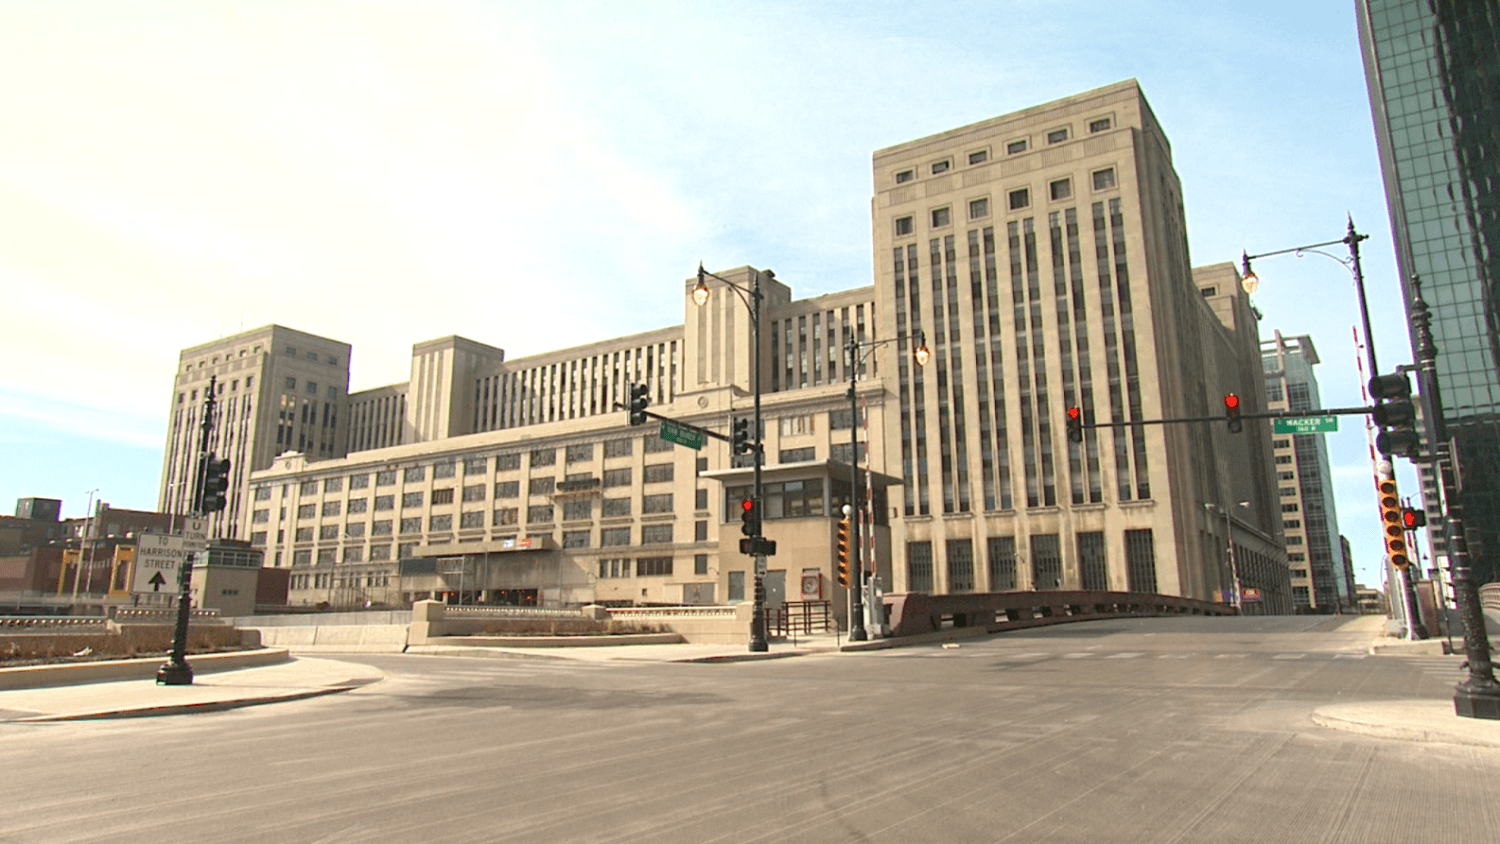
{"x": 1162, "y": 730}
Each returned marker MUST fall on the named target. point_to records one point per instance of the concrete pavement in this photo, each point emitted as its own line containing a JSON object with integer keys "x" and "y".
{"x": 303, "y": 677}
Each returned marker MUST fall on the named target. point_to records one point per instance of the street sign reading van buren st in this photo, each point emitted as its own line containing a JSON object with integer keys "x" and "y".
{"x": 674, "y": 433}
{"x": 1306, "y": 424}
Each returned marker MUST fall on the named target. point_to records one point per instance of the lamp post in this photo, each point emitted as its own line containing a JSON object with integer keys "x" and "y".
{"x": 921, "y": 354}
{"x": 752, "y": 298}
{"x": 1478, "y": 695}
{"x": 1234, "y": 566}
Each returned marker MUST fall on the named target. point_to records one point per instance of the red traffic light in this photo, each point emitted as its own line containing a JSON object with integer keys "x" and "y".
{"x": 1413, "y": 518}
{"x": 747, "y": 505}
{"x": 1074, "y": 413}
{"x": 1232, "y": 401}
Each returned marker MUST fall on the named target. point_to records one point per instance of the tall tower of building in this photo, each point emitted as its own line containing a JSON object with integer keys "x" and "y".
{"x": 1433, "y": 68}
{"x": 278, "y": 390}
{"x": 1314, "y": 550}
{"x": 1044, "y": 254}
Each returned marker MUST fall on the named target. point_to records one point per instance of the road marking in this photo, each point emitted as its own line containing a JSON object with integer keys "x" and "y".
{"x": 1290, "y": 656}
{"x": 1078, "y": 655}
{"x": 1126, "y": 655}
{"x": 1230, "y": 656}
{"x": 1351, "y": 656}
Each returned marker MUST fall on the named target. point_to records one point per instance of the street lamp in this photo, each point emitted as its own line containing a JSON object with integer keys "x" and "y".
{"x": 1234, "y": 566}
{"x": 752, "y": 297}
{"x": 921, "y": 354}
{"x": 1477, "y": 696}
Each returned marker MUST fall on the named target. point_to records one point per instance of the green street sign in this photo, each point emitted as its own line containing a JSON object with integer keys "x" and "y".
{"x": 1306, "y": 425}
{"x": 674, "y": 433}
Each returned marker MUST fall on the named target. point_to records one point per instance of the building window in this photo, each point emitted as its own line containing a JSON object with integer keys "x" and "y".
{"x": 475, "y": 466}
{"x": 307, "y": 511}
{"x": 1015, "y": 147}
{"x": 794, "y": 426}
{"x": 411, "y": 499}
{"x": 657, "y": 503}
{"x": 1092, "y": 568}
{"x": 291, "y": 384}
{"x": 1211, "y": 291}
{"x": 1100, "y": 125}
{"x": 1060, "y": 189}
{"x": 618, "y": 448}
{"x": 941, "y": 217}
{"x": 1104, "y": 179}
{"x": 507, "y": 462}
{"x": 442, "y": 496}
{"x": 578, "y": 510}
{"x": 656, "y": 445}
{"x": 841, "y": 452}
{"x": 905, "y": 176}
{"x": 380, "y": 528}
{"x": 580, "y": 452}
{"x": 508, "y": 489}
{"x": 919, "y": 567}
{"x": 616, "y": 507}
{"x": 544, "y": 457}
{"x": 332, "y": 508}
{"x": 1288, "y": 491}
{"x": 1057, "y": 136}
{"x": 700, "y": 564}
{"x": 539, "y": 514}
{"x": 979, "y": 156}
{"x": 1140, "y": 561}
{"x": 1020, "y": 198}
{"x": 308, "y": 488}
{"x": 354, "y": 554}
{"x": 358, "y": 505}
{"x": 736, "y": 587}
{"x": 312, "y": 387}
{"x": 1002, "y": 560}
{"x": 506, "y": 516}
{"x": 614, "y": 537}
{"x": 658, "y": 473}
{"x": 258, "y": 539}
{"x": 472, "y": 492}
{"x": 411, "y": 524}
{"x": 327, "y": 555}
{"x": 262, "y": 493}
{"x": 700, "y": 531}
{"x": 303, "y": 534}
{"x": 1046, "y": 562}
{"x": 656, "y": 534}
{"x": 541, "y": 486}
{"x": 960, "y": 565}
{"x": 616, "y": 477}
{"x": 354, "y": 530}
{"x": 1291, "y": 524}
{"x": 385, "y": 502}
{"x": 941, "y": 166}
{"x": 575, "y": 539}
{"x": 302, "y": 558}
{"x": 261, "y": 516}
{"x": 385, "y": 478}
{"x": 414, "y": 474}
{"x": 798, "y": 455}
{"x": 700, "y": 499}
{"x": 1284, "y": 458}
{"x": 441, "y": 522}
{"x": 903, "y": 226}
{"x": 653, "y": 566}
{"x": 979, "y": 208}
{"x": 1281, "y": 443}
{"x": 443, "y": 470}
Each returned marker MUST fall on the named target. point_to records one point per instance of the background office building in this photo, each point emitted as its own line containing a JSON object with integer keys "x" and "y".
{"x": 1432, "y": 67}
{"x": 1044, "y": 254}
{"x": 1315, "y": 552}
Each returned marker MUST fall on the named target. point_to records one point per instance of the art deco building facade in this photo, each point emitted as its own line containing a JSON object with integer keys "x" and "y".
{"x": 1433, "y": 67}
{"x": 1321, "y": 574}
{"x": 1044, "y": 254}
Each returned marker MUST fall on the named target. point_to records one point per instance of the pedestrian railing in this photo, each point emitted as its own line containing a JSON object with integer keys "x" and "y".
{"x": 50, "y": 623}
{"x": 913, "y": 613}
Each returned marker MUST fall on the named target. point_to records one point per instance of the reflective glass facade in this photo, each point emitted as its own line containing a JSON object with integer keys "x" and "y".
{"x": 1433, "y": 68}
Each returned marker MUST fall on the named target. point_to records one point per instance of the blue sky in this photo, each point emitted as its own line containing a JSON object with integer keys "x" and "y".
{"x": 540, "y": 175}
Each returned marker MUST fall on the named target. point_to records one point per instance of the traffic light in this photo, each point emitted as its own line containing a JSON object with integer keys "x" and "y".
{"x": 1075, "y": 425}
{"x": 1232, "y": 413}
{"x": 1396, "y": 416}
{"x": 740, "y": 437}
{"x": 749, "y": 518}
{"x": 843, "y": 552}
{"x": 638, "y": 402}
{"x": 215, "y": 485}
{"x": 1393, "y": 522}
{"x": 1413, "y": 518}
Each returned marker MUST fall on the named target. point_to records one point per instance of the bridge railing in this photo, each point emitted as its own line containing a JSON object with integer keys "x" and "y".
{"x": 913, "y": 613}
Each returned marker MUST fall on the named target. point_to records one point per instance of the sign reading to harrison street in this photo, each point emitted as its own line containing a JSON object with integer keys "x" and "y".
{"x": 1306, "y": 424}
{"x": 157, "y": 560}
{"x": 674, "y": 433}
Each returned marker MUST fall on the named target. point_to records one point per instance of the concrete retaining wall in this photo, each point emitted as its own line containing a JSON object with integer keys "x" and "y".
{"x": 338, "y": 638}
{"x": 67, "y": 674}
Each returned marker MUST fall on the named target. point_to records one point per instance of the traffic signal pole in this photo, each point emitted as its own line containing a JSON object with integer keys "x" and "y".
{"x": 176, "y": 671}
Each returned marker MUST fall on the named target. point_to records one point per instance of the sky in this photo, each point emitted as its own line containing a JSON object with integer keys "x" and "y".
{"x": 542, "y": 175}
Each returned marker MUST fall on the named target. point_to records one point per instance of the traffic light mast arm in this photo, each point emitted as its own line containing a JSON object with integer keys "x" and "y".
{"x": 1269, "y": 414}
{"x": 704, "y": 431}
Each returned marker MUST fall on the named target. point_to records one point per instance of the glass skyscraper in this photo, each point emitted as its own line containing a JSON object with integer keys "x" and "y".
{"x": 1433, "y": 68}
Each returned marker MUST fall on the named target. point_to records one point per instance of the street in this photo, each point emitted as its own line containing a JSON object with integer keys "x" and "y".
{"x": 1151, "y": 730}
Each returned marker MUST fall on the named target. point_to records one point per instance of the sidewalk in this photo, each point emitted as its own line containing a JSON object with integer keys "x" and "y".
{"x": 299, "y": 678}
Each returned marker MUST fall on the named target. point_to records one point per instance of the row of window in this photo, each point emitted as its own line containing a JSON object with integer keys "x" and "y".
{"x": 215, "y": 360}
{"x": 1015, "y": 200}
{"x": 311, "y": 387}
{"x": 291, "y": 351}
{"x": 609, "y": 537}
{"x": 233, "y": 385}
{"x": 1015, "y": 146}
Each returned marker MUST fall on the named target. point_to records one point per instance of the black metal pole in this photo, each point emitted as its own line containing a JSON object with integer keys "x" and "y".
{"x": 857, "y": 632}
{"x": 176, "y": 671}
{"x": 1352, "y": 239}
{"x": 1478, "y": 695}
{"x": 758, "y": 643}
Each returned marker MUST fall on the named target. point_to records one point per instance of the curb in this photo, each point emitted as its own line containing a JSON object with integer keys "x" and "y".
{"x": 1429, "y": 721}
{"x": 186, "y": 708}
{"x": 102, "y": 671}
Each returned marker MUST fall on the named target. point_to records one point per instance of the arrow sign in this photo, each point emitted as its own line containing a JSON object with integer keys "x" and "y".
{"x": 158, "y": 559}
{"x": 157, "y": 581}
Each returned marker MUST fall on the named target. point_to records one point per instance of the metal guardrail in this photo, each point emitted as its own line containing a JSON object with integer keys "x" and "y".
{"x": 672, "y": 612}
{"x": 51, "y": 622}
{"x": 805, "y": 617}
{"x": 512, "y": 612}
{"x": 914, "y": 612}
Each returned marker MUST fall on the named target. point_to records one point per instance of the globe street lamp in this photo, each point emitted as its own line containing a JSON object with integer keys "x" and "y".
{"x": 752, "y": 298}
{"x": 921, "y": 354}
